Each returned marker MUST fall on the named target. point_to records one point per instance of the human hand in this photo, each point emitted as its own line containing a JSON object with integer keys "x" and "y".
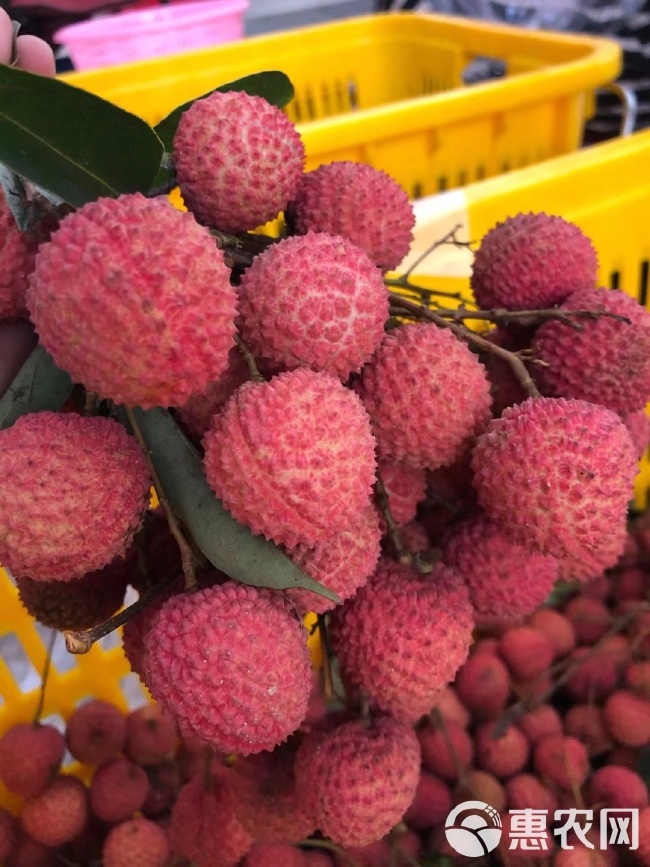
{"x": 34, "y": 55}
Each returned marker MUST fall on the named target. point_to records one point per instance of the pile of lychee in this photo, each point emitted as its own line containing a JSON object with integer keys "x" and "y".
{"x": 439, "y": 482}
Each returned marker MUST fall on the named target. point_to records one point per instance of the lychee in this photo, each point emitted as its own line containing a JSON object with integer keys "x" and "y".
{"x": 151, "y": 735}
{"x": 447, "y": 750}
{"x": 450, "y": 707}
{"x": 501, "y": 754}
{"x": 614, "y": 786}
{"x": 505, "y": 581}
{"x": 556, "y": 474}
{"x": 505, "y": 388}
{"x": 532, "y": 261}
{"x": 637, "y": 677}
{"x": 585, "y": 722}
{"x": 589, "y": 566}
{"x": 314, "y": 301}
{"x": 590, "y": 618}
{"x": 30, "y": 756}
{"x": 593, "y": 675}
{"x": 204, "y": 827}
{"x": 136, "y": 843}
{"x": 403, "y": 637}
{"x": 238, "y": 160}
{"x": 431, "y": 804}
{"x": 135, "y": 630}
{"x": 526, "y": 651}
{"x": 75, "y": 492}
{"x": 540, "y": 722}
{"x": 627, "y": 716}
{"x": 274, "y": 855}
{"x": 425, "y": 421}
{"x": 118, "y": 789}
{"x": 58, "y": 814}
{"x": 483, "y": 685}
{"x": 342, "y": 563}
{"x": 358, "y": 202}
{"x": 376, "y": 854}
{"x": 7, "y": 834}
{"x": 251, "y": 691}
{"x": 405, "y": 486}
{"x": 630, "y": 583}
{"x": 294, "y": 458}
{"x": 78, "y": 604}
{"x": 31, "y": 853}
{"x": 579, "y": 856}
{"x": 525, "y": 791}
{"x": 556, "y": 627}
{"x": 481, "y": 785}
{"x": 607, "y": 362}
{"x": 266, "y": 800}
{"x": 415, "y": 538}
{"x": 124, "y": 281}
{"x": 197, "y": 412}
{"x": 358, "y": 780}
{"x": 96, "y": 732}
{"x": 17, "y": 253}
{"x": 562, "y": 761}
{"x": 638, "y": 424}
{"x": 164, "y": 784}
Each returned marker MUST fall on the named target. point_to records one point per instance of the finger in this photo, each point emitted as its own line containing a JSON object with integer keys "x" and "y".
{"x": 35, "y": 55}
{"x": 6, "y": 37}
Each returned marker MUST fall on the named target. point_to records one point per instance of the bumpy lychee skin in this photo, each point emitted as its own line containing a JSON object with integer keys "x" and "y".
{"x": 627, "y": 716}
{"x": 342, "y": 564}
{"x": 29, "y": 758}
{"x": 556, "y": 474}
{"x": 197, "y": 413}
{"x": 406, "y": 488}
{"x": 403, "y": 637}
{"x": 591, "y": 564}
{"x": 562, "y": 761}
{"x": 151, "y": 735}
{"x": 638, "y": 424}
{"x": 238, "y": 160}
{"x": 532, "y": 261}
{"x": 17, "y": 253}
{"x": 135, "y": 630}
{"x": 315, "y": 301}
{"x": 358, "y": 780}
{"x": 294, "y": 458}
{"x": 78, "y": 604}
{"x": 256, "y": 674}
{"x": 614, "y": 786}
{"x": 590, "y": 618}
{"x": 96, "y": 732}
{"x": 204, "y": 827}
{"x": 425, "y": 421}
{"x": 607, "y": 362}
{"x": 431, "y": 804}
{"x": 556, "y": 627}
{"x": 75, "y": 492}
{"x": 124, "y": 281}
{"x": 360, "y": 203}
{"x": 505, "y": 581}
{"x": 136, "y": 843}
{"x": 58, "y": 814}
{"x": 274, "y": 855}
{"x": 118, "y": 789}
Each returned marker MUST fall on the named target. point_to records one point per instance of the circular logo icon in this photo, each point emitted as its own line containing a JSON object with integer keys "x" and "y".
{"x": 475, "y": 834}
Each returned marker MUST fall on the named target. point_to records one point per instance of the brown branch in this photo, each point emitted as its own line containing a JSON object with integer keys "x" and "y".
{"x": 46, "y": 675}
{"x": 462, "y": 333}
{"x": 188, "y": 559}
{"x": 381, "y": 496}
{"x": 80, "y": 641}
{"x": 242, "y": 248}
{"x": 503, "y": 317}
{"x": 449, "y": 238}
{"x": 400, "y": 283}
{"x": 249, "y": 358}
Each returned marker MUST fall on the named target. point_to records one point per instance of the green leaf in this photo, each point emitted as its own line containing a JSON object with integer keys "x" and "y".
{"x": 38, "y": 386}
{"x": 274, "y": 86}
{"x": 228, "y": 545}
{"x": 72, "y": 143}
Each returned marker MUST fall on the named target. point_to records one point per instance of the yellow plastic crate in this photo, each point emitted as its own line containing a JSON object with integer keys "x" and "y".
{"x": 388, "y": 90}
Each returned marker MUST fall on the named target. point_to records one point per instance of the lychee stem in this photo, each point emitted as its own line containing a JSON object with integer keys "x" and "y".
{"x": 530, "y": 317}
{"x": 449, "y": 238}
{"x": 188, "y": 559}
{"x": 331, "y": 847}
{"x": 249, "y": 358}
{"x": 46, "y": 674}
{"x": 77, "y": 641}
{"x": 463, "y": 333}
{"x": 328, "y": 684}
{"x": 381, "y": 496}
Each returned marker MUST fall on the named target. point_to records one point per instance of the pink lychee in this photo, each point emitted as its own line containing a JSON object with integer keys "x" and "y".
{"x": 561, "y": 760}
{"x": 501, "y": 754}
{"x": 151, "y": 735}
{"x": 526, "y": 651}
{"x": 136, "y": 843}
{"x": 556, "y": 627}
{"x": 446, "y": 750}
{"x": 431, "y": 804}
{"x": 58, "y": 814}
{"x": 405, "y": 486}
{"x": 17, "y": 253}
{"x": 614, "y": 786}
{"x": 96, "y": 732}
{"x": 627, "y": 716}
{"x": 118, "y": 789}
{"x": 483, "y": 685}
{"x": 30, "y": 756}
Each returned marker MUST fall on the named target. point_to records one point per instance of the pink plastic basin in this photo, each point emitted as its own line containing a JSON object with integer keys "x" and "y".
{"x": 137, "y": 35}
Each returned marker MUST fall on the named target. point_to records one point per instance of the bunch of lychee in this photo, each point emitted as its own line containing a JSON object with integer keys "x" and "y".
{"x": 438, "y": 482}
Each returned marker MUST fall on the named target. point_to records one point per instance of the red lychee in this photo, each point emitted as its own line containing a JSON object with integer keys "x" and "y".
{"x": 627, "y": 716}
{"x": 451, "y": 708}
{"x": 607, "y": 362}
{"x": 403, "y": 637}
{"x": 431, "y": 804}
{"x": 294, "y": 458}
{"x": 76, "y": 491}
{"x": 425, "y": 421}
{"x": 358, "y": 780}
{"x": 405, "y": 486}
{"x": 58, "y": 814}
{"x": 526, "y": 792}
{"x": 638, "y": 424}
{"x": 360, "y": 203}
{"x": 614, "y": 786}
{"x": 532, "y": 261}
{"x": 593, "y": 676}
{"x": 17, "y": 253}
{"x": 446, "y": 750}
{"x": 274, "y": 855}
{"x": 589, "y": 567}
{"x": 118, "y": 789}
{"x": 136, "y": 843}
{"x": 7, "y": 834}
{"x": 96, "y": 732}
{"x": 151, "y": 735}
{"x": 590, "y": 618}
{"x": 252, "y": 691}
{"x": 556, "y": 627}
{"x": 585, "y": 722}
{"x": 526, "y": 651}
{"x": 343, "y": 563}
{"x": 556, "y": 474}
{"x": 637, "y": 677}
{"x": 561, "y": 760}
{"x": 540, "y": 722}
{"x": 481, "y": 785}
{"x": 31, "y": 853}
{"x": 238, "y": 160}
{"x": 504, "y": 755}
{"x": 483, "y": 685}
{"x": 505, "y": 581}
{"x": 30, "y": 756}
